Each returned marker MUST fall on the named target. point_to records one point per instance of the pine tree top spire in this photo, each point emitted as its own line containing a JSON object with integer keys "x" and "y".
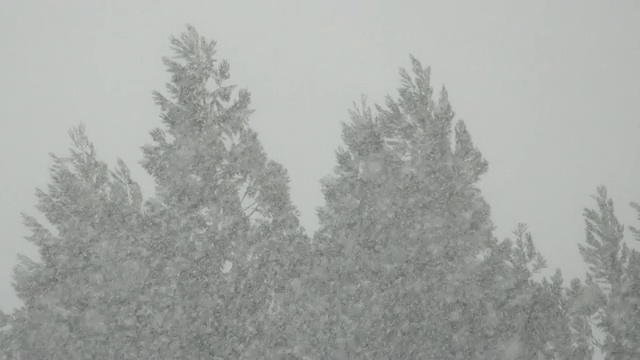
{"x": 199, "y": 101}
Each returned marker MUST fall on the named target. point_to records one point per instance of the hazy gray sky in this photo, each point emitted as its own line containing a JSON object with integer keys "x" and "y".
{"x": 549, "y": 91}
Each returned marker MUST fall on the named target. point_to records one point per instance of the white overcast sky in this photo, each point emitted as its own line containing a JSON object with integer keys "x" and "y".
{"x": 549, "y": 90}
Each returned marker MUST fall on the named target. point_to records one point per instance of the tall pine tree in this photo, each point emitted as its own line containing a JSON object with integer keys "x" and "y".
{"x": 227, "y": 247}
{"x": 78, "y": 296}
{"x": 612, "y": 290}
{"x": 524, "y": 318}
{"x": 407, "y": 265}
{"x": 401, "y": 229}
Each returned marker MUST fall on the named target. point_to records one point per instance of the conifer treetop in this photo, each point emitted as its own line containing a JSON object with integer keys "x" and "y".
{"x": 198, "y": 97}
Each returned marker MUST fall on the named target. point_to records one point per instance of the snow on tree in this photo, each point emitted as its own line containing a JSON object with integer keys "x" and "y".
{"x": 612, "y": 287}
{"x": 407, "y": 265}
{"x": 537, "y": 316}
{"x": 213, "y": 265}
{"x": 216, "y": 265}
{"x": 402, "y": 225}
{"x": 228, "y": 240}
{"x": 78, "y": 294}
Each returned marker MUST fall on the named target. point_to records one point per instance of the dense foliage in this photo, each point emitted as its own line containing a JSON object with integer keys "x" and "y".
{"x": 215, "y": 265}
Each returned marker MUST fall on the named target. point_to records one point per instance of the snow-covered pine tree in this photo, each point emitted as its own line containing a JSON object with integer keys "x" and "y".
{"x": 631, "y": 293}
{"x": 228, "y": 247}
{"x": 401, "y": 230}
{"x": 612, "y": 280}
{"x": 407, "y": 265}
{"x": 524, "y": 318}
{"x": 550, "y": 329}
{"x": 76, "y": 297}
